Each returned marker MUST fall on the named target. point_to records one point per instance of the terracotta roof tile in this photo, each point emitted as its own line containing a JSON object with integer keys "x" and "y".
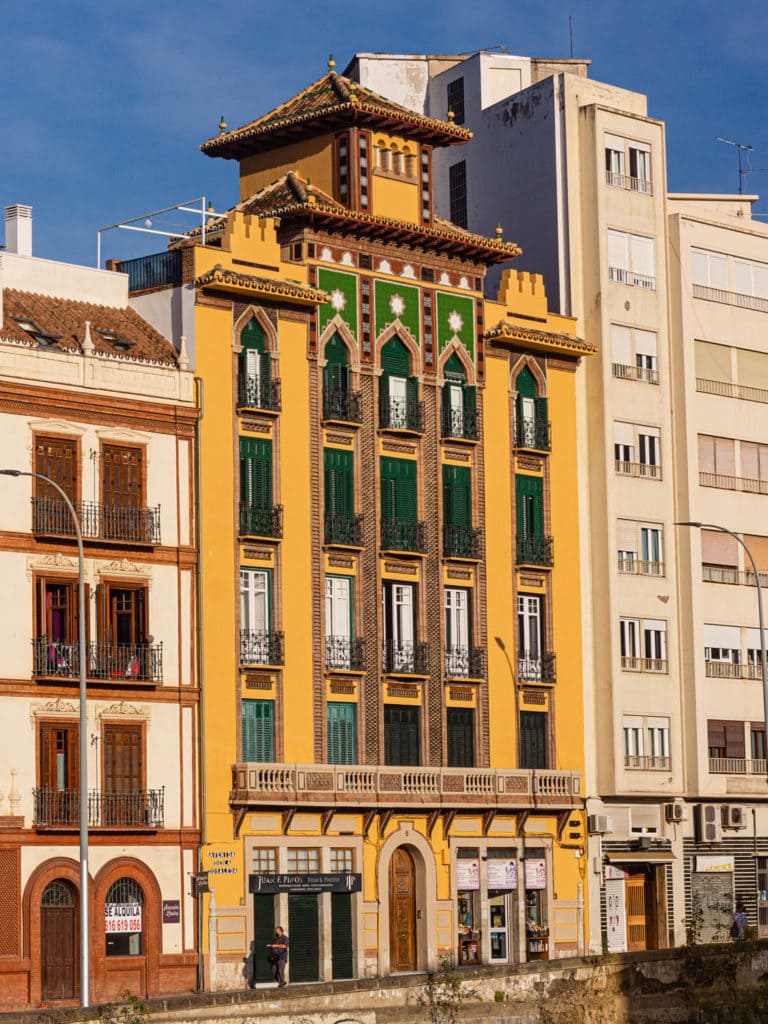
{"x": 64, "y": 320}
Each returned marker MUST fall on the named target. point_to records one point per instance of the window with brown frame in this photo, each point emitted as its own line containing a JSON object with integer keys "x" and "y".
{"x": 122, "y": 476}
{"x": 57, "y": 798}
{"x": 123, "y": 650}
{"x": 56, "y": 626}
{"x": 123, "y": 796}
{"x": 57, "y": 458}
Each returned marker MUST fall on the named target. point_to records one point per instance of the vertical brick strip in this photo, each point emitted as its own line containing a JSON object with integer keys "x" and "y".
{"x": 431, "y": 587}
{"x": 370, "y": 710}
{"x": 10, "y": 901}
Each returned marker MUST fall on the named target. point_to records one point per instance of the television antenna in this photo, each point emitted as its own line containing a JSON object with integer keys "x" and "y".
{"x": 741, "y": 148}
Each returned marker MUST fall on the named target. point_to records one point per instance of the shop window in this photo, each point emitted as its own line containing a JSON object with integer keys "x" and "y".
{"x": 468, "y": 906}
{"x": 536, "y": 919}
{"x": 123, "y": 915}
{"x": 303, "y": 860}
{"x": 502, "y": 888}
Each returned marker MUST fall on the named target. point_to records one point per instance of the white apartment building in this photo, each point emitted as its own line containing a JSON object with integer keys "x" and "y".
{"x": 92, "y": 397}
{"x": 674, "y": 715}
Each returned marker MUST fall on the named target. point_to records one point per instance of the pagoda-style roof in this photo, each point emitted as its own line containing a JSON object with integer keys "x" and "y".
{"x": 292, "y": 197}
{"x": 330, "y": 103}
{"x": 274, "y": 289}
{"x": 555, "y": 342}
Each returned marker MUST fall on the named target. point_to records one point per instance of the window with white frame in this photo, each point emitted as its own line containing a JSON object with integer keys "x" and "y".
{"x": 640, "y": 547}
{"x": 338, "y": 622}
{"x": 754, "y": 659}
{"x": 457, "y": 642}
{"x": 342, "y": 860}
{"x": 750, "y": 278}
{"x": 624, "y": 155}
{"x": 632, "y": 259}
{"x": 634, "y": 354}
{"x": 709, "y": 269}
{"x": 301, "y": 859}
{"x": 637, "y": 450}
{"x": 255, "y": 645}
{"x": 722, "y": 651}
{"x": 646, "y": 742}
{"x": 264, "y": 860}
{"x": 530, "y": 634}
{"x": 643, "y": 644}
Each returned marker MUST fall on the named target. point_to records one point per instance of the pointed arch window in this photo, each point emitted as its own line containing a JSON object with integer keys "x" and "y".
{"x": 459, "y": 402}
{"x": 340, "y": 402}
{"x": 532, "y": 429}
{"x": 256, "y": 387}
{"x": 399, "y": 405}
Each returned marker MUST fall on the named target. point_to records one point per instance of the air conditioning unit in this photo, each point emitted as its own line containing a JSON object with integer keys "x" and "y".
{"x": 708, "y": 820}
{"x": 733, "y": 816}
{"x": 599, "y": 824}
{"x": 674, "y": 812}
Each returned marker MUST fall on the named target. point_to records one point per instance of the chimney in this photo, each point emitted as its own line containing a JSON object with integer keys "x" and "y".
{"x": 18, "y": 229}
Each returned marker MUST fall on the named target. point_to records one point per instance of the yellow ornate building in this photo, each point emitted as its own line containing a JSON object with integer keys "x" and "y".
{"x": 389, "y": 563}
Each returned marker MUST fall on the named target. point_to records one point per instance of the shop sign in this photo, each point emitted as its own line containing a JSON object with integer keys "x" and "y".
{"x": 222, "y": 862}
{"x": 612, "y": 873}
{"x": 535, "y": 873}
{"x": 502, "y": 874}
{"x": 122, "y": 917}
{"x": 171, "y": 911}
{"x": 714, "y": 864}
{"x": 467, "y": 875}
{"x": 311, "y": 882}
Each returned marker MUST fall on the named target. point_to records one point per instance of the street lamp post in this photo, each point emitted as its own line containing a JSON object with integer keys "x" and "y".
{"x": 763, "y": 661}
{"x": 83, "y": 773}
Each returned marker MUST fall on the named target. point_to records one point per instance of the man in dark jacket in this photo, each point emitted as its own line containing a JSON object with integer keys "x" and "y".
{"x": 277, "y": 952}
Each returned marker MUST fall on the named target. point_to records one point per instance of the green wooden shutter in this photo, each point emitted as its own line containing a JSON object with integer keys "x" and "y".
{"x": 526, "y": 383}
{"x": 398, "y": 490}
{"x": 263, "y": 933}
{"x": 342, "y": 744}
{"x": 258, "y": 730}
{"x": 457, "y": 496}
{"x": 412, "y": 391}
{"x": 256, "y": 472}
{"x": 339, "y": 482}
{"x": 454, "y": 369}
{"x": 401, "y": 735}
{"x": 461, "y": 737}
{"x": 336, "y": 351}
{"x": 252, "y": 339}
{"x": 529, "y": 501}
{"x": 533, "y": 740}
{"x": 470, "y": 403}
{"x": 395, "y": 358}
{"x": 303, "y": 933}
{"x": 341, "y": 935}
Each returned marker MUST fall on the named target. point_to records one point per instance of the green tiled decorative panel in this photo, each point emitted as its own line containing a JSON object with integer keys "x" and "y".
{"x": 394, "y": 301}
{"x": 455, "y": 317}
{"x": 342, "y": 289}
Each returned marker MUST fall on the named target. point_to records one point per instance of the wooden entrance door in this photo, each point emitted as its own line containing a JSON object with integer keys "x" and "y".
{"x": 58, "y": 942}
{"x": 402, "y": 912}
{"x": 637, "y": 920}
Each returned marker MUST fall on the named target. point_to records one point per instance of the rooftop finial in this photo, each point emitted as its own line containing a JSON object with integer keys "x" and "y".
{"x": 331, "y": 62}
{"x": 499, "y": 231}
{"x": 86, "y": 345}
{"x": 222, "y": 125}
{"x": 451, "y": 116}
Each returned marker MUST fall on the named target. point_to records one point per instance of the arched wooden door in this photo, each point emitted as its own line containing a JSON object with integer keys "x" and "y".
{"x": 402, "y": 912}
{"x": 58, "y": 941}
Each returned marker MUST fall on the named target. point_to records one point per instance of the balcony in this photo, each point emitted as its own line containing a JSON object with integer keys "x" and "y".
{"x": 118, "y": 523}
{"x": 460, "y": 541}
{"x": 533, "y": 434}
{"x": 257, "y": 392}
{"x": 396, "y": 536}
{"x": 733, "y": 483}
{"x": 342, "y": 653}
{"x": 460, "y": 423}
{"x": 732, "y": 670}
{"x": 465, "y": 663}
{"x": 344, "y": 528}
{"x": 537, "y": 670}
{"x": 377, "y": 786}
{"x": 738, "y": 766}
{"x": 401, "y": 414}
{"x": 623, "y": 371}
{"x": 638, "y": 469}
{"x": 632, "y": 664}
{"x": 535, "y": 551}
{"x": 60, "y": 808}
{"x": 640, "y": 567}
{"x": 727, "y": 389}
{"x": 160, "y": 270}
{"x": 647, "y": 762}
{"x": 129, "y": 663}
{"x": 342, "y": 405}
{"x": 405, "y": 658}
{"x": 620, "y": 275}
{"x": 258, "y": 521}
{"x": 732, "y": 576}
{"x": 261, "y": 647}
{"x": 629, "y": 183}
{"x": 741, "y": 299}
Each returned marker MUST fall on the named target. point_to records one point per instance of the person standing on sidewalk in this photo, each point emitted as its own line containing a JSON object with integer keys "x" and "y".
{"x": 277, "y": 952}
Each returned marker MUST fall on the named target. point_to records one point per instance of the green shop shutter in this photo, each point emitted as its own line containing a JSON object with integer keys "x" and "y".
{"x": 342, "y": 745}
{"x": 258, "y": 730}
{"x": 529, "y": 500}
{"x": 263, "y": 933}
{"x": 398, "y": 490}
{"x": 341, "y": 935}
{"x": 303, "y": 936}
{"x": 457, "y": 496}
{"x": 256, "y": 472}
{"x": 339, "y": 486}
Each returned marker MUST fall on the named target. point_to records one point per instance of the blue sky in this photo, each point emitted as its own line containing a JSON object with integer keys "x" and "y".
{"x": 104, "y": 104}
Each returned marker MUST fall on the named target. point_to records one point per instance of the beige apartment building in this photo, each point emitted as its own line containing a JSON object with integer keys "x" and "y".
{"x": 672, "y": 291}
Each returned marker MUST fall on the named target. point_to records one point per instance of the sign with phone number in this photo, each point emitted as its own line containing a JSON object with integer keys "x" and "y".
{"x": 122, "y": 917}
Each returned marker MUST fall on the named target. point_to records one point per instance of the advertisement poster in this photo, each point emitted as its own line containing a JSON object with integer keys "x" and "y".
{"x": 502, "y": 874}
{"x": 467, "y": 875}
{"x": 122, "y": 917}
{"x": 616, "y": 915}
{"x": 535, "y": 874}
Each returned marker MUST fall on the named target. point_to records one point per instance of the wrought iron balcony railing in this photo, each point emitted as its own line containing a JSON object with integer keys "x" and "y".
{"x": 258, "y": 521}
{"x": 535, "y": 551}
{"x": 343, "y": 405}
{"x": 465, "y": 662}
{"x": 397, "y": 536}
{"x": 460, "y": 541}
{"x": 257, "y": 392}
{"x": 261, "y": 647}
{"x": 401, "y": 413}
{"x": 405, "y": 658}
{"x": 140, "y": 662}
{"x": 60, "y": 808}
{"x": 344, "y": 653}
{"x": 344, "y": 528}
{"x": 537, "y": 670}
{"x": 122, "y": 523}
{"x": 533, "y": 433}
{"x": 459, "y": 423}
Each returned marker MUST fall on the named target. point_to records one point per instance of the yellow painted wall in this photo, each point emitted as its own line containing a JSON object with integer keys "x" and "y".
{"x": 312, "y": 158}
{"x": 397, "y": 198}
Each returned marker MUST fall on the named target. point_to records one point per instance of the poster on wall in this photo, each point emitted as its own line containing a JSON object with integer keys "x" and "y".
{"x": 122, "y": 917}
{"x": 502, "y": 874}
{"x": 535, "y": 873}
{"x": 616, "y": 914}
{"x": 467, "y": 875}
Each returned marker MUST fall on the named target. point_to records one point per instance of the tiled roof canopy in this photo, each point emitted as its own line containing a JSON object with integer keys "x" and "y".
{"x": 60, "y": 324}
{"x": 544, "y": 341}
{"x": 330, "y": 103}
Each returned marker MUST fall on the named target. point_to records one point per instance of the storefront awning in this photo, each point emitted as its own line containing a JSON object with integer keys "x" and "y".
{"x": 641, "y": 857}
